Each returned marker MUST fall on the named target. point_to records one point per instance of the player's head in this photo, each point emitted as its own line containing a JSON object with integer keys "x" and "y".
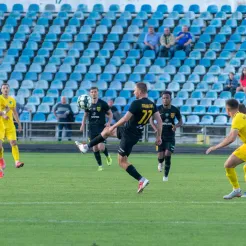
{"x": 232, "y": 106}
{"x": 94, "y": 92}
{"x": 110, "y": 103}
{"x": 63, "y": 100}
{"x": 5, "y": 89}
{"x": 140, "y": 90}
{"x": 242, "y": 108}
{"x": 166, "y": 98}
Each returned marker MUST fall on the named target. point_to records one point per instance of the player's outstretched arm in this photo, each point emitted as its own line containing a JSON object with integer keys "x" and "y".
{"x": 158, "y": 119}
{"x": 228, "y": 140}
{"x": 82, "y": 127}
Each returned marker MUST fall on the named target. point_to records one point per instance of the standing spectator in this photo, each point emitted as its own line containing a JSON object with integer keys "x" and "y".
{"x": 62, "y": 111}
{"x": 167, "y": 42}
{"x": 183, "y": 40}
{"x": 151, "y": 40}
{"x": 231, "y": 84}
{"x": 242, "y": 86}
{"x": 116, "y": 114}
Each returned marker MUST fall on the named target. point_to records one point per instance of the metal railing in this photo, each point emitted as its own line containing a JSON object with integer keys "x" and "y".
{"x": 187, "y": 134}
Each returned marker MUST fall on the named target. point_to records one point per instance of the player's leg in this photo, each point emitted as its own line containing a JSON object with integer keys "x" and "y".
{"x": 102, "y": 148}
{"x": 11, "y": 136}
{"x": 169, "y": 148}
{"x": 230, "y": 165}
{"x": 98, "y": 157}
{"x": 95, "y": 141}
{"x": 160, "y": 159}
{"x": 244, "y": 169}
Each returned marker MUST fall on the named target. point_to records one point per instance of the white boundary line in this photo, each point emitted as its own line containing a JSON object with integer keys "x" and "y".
{"x": 51, "y": 221}
{"x": 123, "y": 202}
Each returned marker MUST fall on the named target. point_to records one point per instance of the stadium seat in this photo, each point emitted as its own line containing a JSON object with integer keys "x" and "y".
{"x": 51, "y": 118}
{"x": 185, "y": 110}
{"x": 240, "y": 96}
{"x": 199, "y": 110}
{"x": 220, "y": 120}
{"x": 192, "y": 120}
{"x": 39, "y": 117}
{"x": 177, "y": 102}
{"x": 207, "y": 120}
{"x": 184, "y": 95}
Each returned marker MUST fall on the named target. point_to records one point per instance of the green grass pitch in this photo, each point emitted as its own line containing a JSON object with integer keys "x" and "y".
{"x": 61, "y": 199}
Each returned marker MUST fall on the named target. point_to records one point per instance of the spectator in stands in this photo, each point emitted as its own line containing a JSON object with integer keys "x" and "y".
{"x": 116, "y": 113}
{"x": 62, "y": 111}
{"x": 242, "y": 86}
{"x": 151, "y": 40}
{"x": 231, "y": 84}
{"x": 183, "y": 40}
{"x": 167, "y": 42}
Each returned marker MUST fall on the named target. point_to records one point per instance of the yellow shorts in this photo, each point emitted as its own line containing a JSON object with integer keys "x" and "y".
{"x": 241, "y": 152}
{"x": 10, "y": 133}
{"x": 2, "y": 132}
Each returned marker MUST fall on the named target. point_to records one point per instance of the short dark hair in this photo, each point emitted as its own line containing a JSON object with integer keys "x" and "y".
{"x": 142, "y": 87}
{"x": 232, "y": 103}
{"x": 167, "y": 93}
{"x": 242, "y": 108}
{"x": 4, "y": 84}
{"x": 93, "y": 88}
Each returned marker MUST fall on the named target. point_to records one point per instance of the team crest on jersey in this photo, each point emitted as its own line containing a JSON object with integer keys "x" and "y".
{"x": 172, "y": 115}
{"x": 98, "y": 109}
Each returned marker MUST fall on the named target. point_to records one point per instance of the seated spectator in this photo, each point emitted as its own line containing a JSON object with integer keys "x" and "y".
{"x": 183, "y": 40}
{"x": 116, "y": 114}
{"x": 151, "y": 41}
{"x": 167, "y": 42}
{"x": 231, "y": 84}
{"x": 242, "y": 86}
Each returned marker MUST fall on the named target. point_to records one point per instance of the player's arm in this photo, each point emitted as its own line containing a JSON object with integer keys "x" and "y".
{"x": 228, "y": 140}
{"x": 16, "y": 117}
{"x": 180, "y": 122}
{"x": 122, "y": 121}
{"x": 158, "y": 119}
{"x": 83, "y": 123}
{"x": 152, "y": 123}
{"x": 109, "y": 115}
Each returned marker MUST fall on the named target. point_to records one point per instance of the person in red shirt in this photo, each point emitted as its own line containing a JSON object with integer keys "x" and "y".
{"x": 242, "y": 86}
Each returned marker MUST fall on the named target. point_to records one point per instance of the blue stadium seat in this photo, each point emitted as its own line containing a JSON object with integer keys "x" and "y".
{"x": 241, "y": 8}
{"x": 13, "y": 83}
{"x": 211, "y": 95}
{"x": 68, "y": 93}
{"x": 191, "y": 102}
{"x": 51, "y": 118}
{"x": 16, "y": 75}
{"x": 111, "y": 94}
{"x": 192, "y": 120}
{"x": 173, "y": 87}
{"x": 82, "y": 8}
{"x": 177, "y": 102}
{"x": 200, "y": 46}
{"x": 203, "y": 87}
{"x": 200, "y": 70}
{"x": 237, "y": 15}
{"x": 207, "y": 120}
{"x": 28, "y": 84}
{"x": 185, "y": 110}
{"x": 179, "y": 77}
{"x": 184, "y": 95}
{"x": 225, "y": 95}
{"x": 43, "y": 108}
{"x": 199, "y": 110}
{"x": 206, "y": 102}
{"x": 146, "y": 8}
{"x": 213, "y": 110}
{"x": 240, "y": 96}
{"x": 220, "y": 120}
{"x": 130, "y": 8}
{"x": 220, "y": 103}
{"x": 42, "y": 84}
{"x": 38, "y": 93}
{"x": 39, "y": 117}
{"x": 35, "y": 100}
{"x": 79, "y": 117}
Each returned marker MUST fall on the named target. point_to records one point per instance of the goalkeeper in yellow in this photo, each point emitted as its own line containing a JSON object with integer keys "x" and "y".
{"x": 8, "y": 107}
{"x": 238, "y": 128}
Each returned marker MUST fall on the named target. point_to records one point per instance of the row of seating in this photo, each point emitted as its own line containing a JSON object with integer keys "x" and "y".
{"x": 213, "y": 9}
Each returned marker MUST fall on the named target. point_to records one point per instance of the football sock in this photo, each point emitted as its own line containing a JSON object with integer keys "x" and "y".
{"x": 98, "y": 139}
{"x": 232, "y": 176}
{"x": 244, "y": 169}
{"x": 105, "y": 152}
{"x": 15, "y": 153}
{"x": 133, "y": 172}
{"x": 1, "y": 153}
{"x": 98, "y": 158}
{"x": 167, "y": 165}
{"x": 160, "y": 160}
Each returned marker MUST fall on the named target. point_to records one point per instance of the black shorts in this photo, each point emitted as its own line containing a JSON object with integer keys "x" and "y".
{"x": 95, "y": 131}
{"x": 167, "y": 145}
{"x": 127, "y": 141}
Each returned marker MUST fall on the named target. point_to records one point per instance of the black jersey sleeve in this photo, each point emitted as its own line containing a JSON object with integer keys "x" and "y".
{"x": 105, "y": 106}
{"x": 155, "y": 109}
{"x": 134, "y": 107}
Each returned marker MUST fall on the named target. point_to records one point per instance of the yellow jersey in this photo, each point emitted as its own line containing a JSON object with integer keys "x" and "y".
{"x": 11, "y": 103}
{"x": 239, "y": 123}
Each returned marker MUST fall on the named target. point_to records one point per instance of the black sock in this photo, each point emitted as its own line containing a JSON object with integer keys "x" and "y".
{"x": 105, "y": 152}
{"x": 160, "y": 160}
{"x": 95, "y": 141}
{"x": 133, "y": 172}
{"x": 98, "y": 158}
{"x": 167, "y": 165}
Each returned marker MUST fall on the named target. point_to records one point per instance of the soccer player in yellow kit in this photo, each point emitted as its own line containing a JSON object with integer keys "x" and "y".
{"x": 238, "y": 128}
{"x": 8, "y": 106}
{"x": 2, "y": 129}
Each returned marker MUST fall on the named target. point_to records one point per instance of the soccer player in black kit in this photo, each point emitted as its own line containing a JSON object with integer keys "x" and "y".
{"x": 134, "y": 121}
{"x": 97, "y": 122}
{"x": 168, "y": 114}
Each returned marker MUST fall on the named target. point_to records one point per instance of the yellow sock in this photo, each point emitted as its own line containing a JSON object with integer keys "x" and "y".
{"x": 232, "y": 176}
{"x": 1, "y": 153}
{"x": 244, "y": 169}
{"x": 15, "y": 153}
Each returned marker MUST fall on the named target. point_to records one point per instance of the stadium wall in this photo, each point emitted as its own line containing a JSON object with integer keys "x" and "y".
{"x": 122, "y": 3}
